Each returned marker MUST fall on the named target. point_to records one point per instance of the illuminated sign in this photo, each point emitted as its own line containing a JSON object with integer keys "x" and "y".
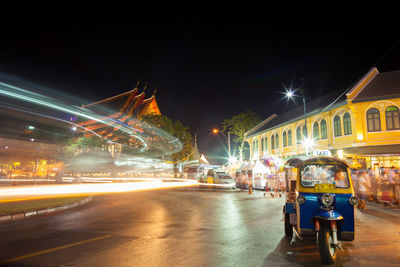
{"x": 322, "y": 153}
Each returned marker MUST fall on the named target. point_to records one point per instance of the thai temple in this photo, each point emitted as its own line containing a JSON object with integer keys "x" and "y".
{"x": 125, "y": 108}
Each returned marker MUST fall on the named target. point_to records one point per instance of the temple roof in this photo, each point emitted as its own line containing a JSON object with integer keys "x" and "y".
{"x": 131, "y": 103}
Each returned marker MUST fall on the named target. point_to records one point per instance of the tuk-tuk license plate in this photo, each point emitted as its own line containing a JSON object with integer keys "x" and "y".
{"x": 324, "y": 188}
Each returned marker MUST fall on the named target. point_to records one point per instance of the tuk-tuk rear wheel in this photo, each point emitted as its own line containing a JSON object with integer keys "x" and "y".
{"x": 288, "y": 226}
{"x": 327, "y": 250}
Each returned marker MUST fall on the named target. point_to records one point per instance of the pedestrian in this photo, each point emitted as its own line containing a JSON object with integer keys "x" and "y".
{"x": 250, "y": 185}
{"x": 397, "y": 186}
{"x": 367, "y": 179}
{"x": 392, "y": 183}
{"x": 375, "y": 185}
{"x": 362, "y": 189}
{"x": 354, "y": 179}
{"x": 386, "y": 196}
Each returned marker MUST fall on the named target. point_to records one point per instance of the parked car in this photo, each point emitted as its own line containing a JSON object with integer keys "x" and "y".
{"x": 228, "y": 181}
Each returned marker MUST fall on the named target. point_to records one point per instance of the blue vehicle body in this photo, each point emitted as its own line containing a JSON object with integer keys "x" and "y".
{"x": 341, "y": 211}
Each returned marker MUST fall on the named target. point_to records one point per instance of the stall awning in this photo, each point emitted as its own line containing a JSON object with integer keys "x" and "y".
{"x": 243, "y": 166}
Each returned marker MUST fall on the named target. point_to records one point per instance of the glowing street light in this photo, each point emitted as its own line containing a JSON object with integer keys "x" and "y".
{"x": 217, "y": 131}
{"x": 308, "y": 144}
{"x": 290, "y": 94}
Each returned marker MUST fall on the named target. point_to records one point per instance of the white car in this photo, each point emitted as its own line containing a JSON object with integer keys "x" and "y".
{"x": 228, "y": 181}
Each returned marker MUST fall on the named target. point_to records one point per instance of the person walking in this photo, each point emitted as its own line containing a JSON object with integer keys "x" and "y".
{"x": 354, "y": 179}
{"x": 386, "y": 196}
{"x": 362, "y": 189}
{"x": 367, "y": 178}
{"x": 375, "y": 185}
{"x": 392, "y": 182}
{"x": 397, "y": 186}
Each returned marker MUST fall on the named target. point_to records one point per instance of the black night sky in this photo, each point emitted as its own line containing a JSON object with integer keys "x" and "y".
{"x": 207, "y": 64}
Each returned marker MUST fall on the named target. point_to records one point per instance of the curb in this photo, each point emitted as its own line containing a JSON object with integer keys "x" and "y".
{"x": 24, "y": 215}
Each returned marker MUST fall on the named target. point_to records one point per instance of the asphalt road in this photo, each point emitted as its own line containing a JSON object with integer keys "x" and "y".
{"x": 174, "y": 227}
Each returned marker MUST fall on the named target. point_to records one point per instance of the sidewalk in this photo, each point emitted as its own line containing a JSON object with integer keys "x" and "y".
{"x": 383, "y": 208}
{"x": 20, "y": 210}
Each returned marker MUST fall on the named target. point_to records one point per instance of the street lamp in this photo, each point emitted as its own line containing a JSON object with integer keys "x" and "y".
{"x": 217, "y": 131}
{"x": 290, "y": 94}
{"x": 308, "y": 143}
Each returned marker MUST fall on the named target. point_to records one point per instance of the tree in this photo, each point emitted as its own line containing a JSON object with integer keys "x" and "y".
{"x": 239, "y": 124}
{"x": 176, "y": 129}
{"x": 81, "y": 144}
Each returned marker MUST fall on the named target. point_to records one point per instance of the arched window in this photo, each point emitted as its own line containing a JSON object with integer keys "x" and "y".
{"x": 289, "y": 137}
{"x": 304, "y": 132}
{"x": 266, "y": 144}
{"x": 373, "y": 120}
{"x": 316, "y": 131}
{"x": 257, "y": 146}
{"x": 262, "y": 145}
{"x": 298, "y": 135}
{"x": 346, "y": 124}
{"x": 336, "y": 126}
{"x": 284, "y": 139}
{"x": 276, "y": 141}
{"x": 324, "y": 130}
{"x": 272, "y": 142}
{"x": 392, "y": 118}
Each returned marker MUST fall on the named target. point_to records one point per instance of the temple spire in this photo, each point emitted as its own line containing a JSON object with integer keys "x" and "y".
{"x": 196, "y": 150}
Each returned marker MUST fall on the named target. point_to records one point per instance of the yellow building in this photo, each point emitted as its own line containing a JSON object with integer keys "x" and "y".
{"x": 361, "y": 125}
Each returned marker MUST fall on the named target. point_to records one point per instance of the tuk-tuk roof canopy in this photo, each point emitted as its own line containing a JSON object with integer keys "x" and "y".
{"x": 323, "y": 160}
{"x": 293, "y": 162}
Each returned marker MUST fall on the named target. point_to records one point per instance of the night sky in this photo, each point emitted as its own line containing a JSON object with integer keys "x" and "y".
{"x": 207, "y": 64}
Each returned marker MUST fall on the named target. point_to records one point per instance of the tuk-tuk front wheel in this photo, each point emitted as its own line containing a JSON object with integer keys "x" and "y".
{"x": 327, "y": 250}
{"x": 288, "y": 226}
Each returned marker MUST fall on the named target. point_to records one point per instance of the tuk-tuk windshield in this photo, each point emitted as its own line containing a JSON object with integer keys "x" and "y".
{"x": 310, "y": 175}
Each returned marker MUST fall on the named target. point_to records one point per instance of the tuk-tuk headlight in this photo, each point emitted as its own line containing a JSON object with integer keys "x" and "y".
{"x": 354, "y": 201}
{"x": 301, "y": 199}
{"x": 327, "y": 199}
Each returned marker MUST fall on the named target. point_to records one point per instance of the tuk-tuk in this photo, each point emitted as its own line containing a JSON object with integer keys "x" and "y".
{"x": 320, "y": 202}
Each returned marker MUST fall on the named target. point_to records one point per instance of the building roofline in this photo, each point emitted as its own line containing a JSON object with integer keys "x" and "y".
{"x": 273, "y": 116}
{"x": 362, "y": 83}
{"x": 312, "y": 113}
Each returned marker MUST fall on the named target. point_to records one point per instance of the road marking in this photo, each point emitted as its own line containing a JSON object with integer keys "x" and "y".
{"x": 53, "y": 249}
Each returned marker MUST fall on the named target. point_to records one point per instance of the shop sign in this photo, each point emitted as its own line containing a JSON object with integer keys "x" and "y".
{"x": 322, "y": 153}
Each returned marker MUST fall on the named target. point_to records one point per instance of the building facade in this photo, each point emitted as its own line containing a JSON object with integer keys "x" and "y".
{"x": 361, "y": 125}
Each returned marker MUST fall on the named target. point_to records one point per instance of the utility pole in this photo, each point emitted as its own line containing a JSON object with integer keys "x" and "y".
{"x": 302, "y": 90}
{"x": 229, "y": 145}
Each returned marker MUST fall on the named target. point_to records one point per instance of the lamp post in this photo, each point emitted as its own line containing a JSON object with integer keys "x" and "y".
{"x": 217, "y": 131}
{"x": 290, "y": 94}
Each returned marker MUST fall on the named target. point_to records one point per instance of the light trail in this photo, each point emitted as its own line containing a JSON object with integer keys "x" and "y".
{"x": 18, "y": 93}
{"x": 95, "y": 186}
{"x": 9, "y": 193}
